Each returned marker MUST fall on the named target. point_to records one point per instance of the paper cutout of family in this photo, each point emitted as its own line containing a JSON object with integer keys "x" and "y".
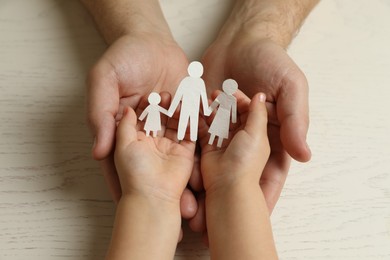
{"x": 153, "y": 120}
{"x": 190, "y": 93}
{"x": 227, "y": 107}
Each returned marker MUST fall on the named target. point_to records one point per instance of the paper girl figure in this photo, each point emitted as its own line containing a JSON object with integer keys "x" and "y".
{"x": 227, "y": 106}
{"x": 153, "y": 121}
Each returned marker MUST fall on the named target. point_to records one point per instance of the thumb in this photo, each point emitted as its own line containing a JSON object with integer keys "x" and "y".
{"x": 256, "y": 124}
{"x": 103, "y": 103}
{"x": 104, "y": 132}
{"x": 293, "y": 115}
{"x": 127, "y": 131}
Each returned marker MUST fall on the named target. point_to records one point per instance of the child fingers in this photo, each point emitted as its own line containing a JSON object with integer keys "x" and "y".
{"x": 142, "y": 104}
{"x": 256, "y": 123}
{"x": 215, "y": 94}
{"x": 126, "y": 132}
{"x": 165, "y": 101}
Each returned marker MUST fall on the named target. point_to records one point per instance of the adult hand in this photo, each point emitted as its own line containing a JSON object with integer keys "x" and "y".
{"x": 133, "y": 66}
{"x": 142, "y": 57}
{"x": 262, "y": 65}
{"x": 251, "y": 49}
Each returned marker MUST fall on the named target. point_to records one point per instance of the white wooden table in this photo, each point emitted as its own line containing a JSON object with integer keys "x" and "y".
{"x": 53, "y": 201}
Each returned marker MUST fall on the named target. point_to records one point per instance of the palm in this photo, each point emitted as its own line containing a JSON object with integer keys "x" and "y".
{"x": 134, "y": 66}
{"x": 171, "y": 160}
{"x": 131, "y": 67}
{"x": 239, "y": 147}
{"x": 262, "y": 66}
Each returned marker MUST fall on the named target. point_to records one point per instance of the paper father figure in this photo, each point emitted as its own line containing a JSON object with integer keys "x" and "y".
{"x": 190, "y": 91}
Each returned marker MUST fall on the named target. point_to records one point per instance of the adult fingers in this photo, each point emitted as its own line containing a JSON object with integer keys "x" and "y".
{"x": 274, "y": 176}
{"x": 188, "y": 204}
{"x": 293, "y": 115}
{"x": 111, "y": 178}
{"x": 196, "y": 181}
{"x": 198, "y": 222}
{"x": 276, "y": 169}
{"x": 103, "y": 103}
{"x": 165, "y": 102}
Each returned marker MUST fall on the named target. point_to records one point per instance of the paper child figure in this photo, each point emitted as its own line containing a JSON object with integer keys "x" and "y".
{"x": 153, "y": 121}
{"x": 189, "y": 92}
{"x": 227, "y": 106}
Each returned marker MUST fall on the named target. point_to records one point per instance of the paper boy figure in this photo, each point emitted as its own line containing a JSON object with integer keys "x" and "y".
{"x": 153, "y": 121}
{"x": 227, "y": 106}
{"x": 190, "y": 91}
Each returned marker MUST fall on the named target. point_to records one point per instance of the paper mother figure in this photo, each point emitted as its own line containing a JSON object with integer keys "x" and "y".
{"x": 227, "y": 107}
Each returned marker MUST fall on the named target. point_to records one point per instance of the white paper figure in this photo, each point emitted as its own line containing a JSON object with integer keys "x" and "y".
{"x": 153, "y": 121}
{"x": 227, "y": 106}
{"x": 190, "y": 91}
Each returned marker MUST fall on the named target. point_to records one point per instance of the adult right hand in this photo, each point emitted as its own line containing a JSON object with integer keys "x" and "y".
{"x": 250, "y": 48}
{"x": 142, "y": 57}
{"x": 133, "y": 66}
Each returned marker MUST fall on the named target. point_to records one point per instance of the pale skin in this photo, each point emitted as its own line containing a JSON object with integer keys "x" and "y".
{"x": 250, "y": 48}
{"x": 147, "y": 222}
{"x": 237, "y": 216}
{"x": 153, "y": 173}
{"x": 259, "y": 30}
{"x": 142, "y": 57}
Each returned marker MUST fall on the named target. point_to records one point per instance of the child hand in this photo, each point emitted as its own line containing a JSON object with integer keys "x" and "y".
{"x": 243, "y": 156}
{"x": 157, "y": 168}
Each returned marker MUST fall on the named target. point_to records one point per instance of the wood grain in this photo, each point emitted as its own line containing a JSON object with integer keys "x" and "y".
{"x": 53, "y": 200}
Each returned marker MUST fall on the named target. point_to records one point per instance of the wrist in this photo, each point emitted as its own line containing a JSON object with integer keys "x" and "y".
{"x": 150, "y": 23}
{"x": 234, "y": 198}
{"x": 277, "y": 21}
{"x": 239, "y": 213}
{"x": 161, "y": 207}
{"x": 144, "y": 229}
{"x": 230, "y": 176}
{"x": 227, "y": 189}
{"x": 115, "y": 19}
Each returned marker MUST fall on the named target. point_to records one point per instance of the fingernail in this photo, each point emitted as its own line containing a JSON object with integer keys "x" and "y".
{"x": 262, "y": 97}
